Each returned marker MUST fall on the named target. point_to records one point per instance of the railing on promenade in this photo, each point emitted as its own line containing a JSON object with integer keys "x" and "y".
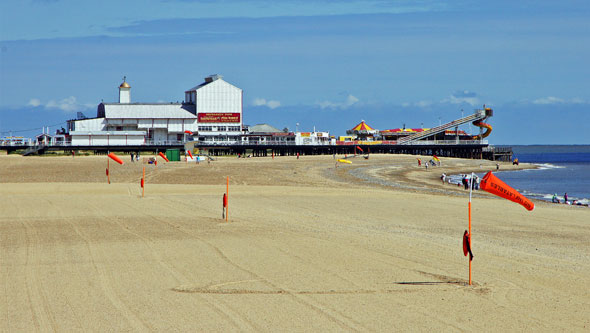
{"x": 180, "y": 143}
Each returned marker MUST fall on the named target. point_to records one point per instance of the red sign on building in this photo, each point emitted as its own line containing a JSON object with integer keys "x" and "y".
{"x": 218, "y": 117}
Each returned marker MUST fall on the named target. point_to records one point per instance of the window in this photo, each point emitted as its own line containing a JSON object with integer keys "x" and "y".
{"x": 233, "y": 128}
{"x": 221, "y": 128}
{"x": 205, "y": 128}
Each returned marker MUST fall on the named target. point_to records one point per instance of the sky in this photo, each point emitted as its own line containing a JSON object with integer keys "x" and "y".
{"x": 326, "y": 64}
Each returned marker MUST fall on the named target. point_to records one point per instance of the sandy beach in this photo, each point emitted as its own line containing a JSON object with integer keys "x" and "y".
{"x": 370, "y": 246}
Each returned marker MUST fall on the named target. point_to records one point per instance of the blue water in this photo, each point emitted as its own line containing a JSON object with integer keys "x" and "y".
{"x": 561, "y": 169}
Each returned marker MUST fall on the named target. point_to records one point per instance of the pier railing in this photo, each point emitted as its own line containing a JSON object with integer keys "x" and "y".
{"x": 180, "y": 143}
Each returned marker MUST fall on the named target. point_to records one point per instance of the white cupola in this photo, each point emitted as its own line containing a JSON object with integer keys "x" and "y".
{"x": 124, "y": 92}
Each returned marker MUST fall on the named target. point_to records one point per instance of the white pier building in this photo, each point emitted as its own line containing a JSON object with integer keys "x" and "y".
{"x": 210, "y": 113}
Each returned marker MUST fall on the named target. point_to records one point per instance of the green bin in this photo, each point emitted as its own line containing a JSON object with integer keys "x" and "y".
{"x": 173, "y": 155}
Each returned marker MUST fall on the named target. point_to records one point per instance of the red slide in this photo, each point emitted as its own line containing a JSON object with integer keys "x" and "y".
{"x": 488, "y": 128}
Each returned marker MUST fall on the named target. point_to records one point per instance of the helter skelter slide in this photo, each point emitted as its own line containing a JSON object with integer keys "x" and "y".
{"x": 481, "y": 124}
{"x": 476, "y": 119}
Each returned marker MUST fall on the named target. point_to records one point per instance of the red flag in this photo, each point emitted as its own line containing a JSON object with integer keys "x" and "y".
{"x": 494, "y": 185}
{"x": 359, "y": 148}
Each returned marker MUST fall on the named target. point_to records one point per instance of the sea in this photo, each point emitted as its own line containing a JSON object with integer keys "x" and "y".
{"x": 561, "y": 169}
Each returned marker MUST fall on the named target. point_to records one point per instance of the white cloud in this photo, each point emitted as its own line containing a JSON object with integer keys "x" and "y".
{"x": 34, "y": 102}
{"x": 272, "y": 104}
{"x": 578, "y": 100}
{"x": 350, "y": 101}
{"x": 67, "y": 104}
{"x": 423, "y": 104}
{"x": 463, "y": 97}
{"x": 548, "y": 100}
{"x": 556, "y": 100}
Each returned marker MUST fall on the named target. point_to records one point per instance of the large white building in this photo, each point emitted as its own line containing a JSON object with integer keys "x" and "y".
{"x": 211, "y": 113}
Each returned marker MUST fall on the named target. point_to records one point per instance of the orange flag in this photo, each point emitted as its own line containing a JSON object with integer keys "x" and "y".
{"x": 115, "y": 158}
{"x": 189, "y": 153}
{"x": 494, "y": 185}
{"x": 163, "y": 156}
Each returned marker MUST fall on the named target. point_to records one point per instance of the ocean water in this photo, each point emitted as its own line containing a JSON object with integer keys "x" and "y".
{"x": 562, "y": 169}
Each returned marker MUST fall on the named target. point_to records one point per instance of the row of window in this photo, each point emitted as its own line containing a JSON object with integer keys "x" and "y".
{"x": 219, "y": 138}
{"x": 219, "y": 128}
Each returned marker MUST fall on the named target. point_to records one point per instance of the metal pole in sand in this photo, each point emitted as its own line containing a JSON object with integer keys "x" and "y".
{"x": 227, "y": 196}
{"x": 469, "y": 238}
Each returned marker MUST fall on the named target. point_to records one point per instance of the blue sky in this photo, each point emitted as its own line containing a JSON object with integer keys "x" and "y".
{"x": 326, "y": 63}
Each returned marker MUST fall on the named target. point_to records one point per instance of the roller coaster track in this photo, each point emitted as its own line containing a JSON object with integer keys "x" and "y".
{"x": 479, "y": 115}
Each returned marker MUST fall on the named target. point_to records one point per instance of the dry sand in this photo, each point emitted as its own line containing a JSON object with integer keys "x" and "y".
{"x": 371, "y": 246}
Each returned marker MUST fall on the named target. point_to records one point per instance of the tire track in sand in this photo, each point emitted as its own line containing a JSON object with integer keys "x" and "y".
{"x": 108, "y": 290}
{"x": 328, "y": 313}
{"x": 238, "y": 321}
{"x": 42, "y": 315}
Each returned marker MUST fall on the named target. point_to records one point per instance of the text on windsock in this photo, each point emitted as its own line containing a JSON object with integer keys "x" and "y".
{"x": 492, "y": 184}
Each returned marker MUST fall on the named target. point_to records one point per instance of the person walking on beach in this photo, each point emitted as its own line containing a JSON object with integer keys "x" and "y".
{"x": 132, "y": 160}
{"x": 497, "y": 166}
{"x": 565, "y": 197}
{"x": 555, "y": 199}
{"x": 442, "y": 178}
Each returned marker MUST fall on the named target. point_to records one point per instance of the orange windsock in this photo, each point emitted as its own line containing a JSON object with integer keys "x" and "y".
{"x": 189, "y": 153}
{"x": 163, "y": 156}
{"x": 115, "y": 158}
{"x": 359, "y": 148}
{"x": 494, "y": 185}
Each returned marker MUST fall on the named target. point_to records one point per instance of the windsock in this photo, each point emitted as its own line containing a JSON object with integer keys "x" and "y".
{"x": 359, "y": 148}
{"x": 434, "y": 157}
{"x": 189, "y": 153}
{"x": 115, "y": 158}
{"x": 163, "y": 156}
{"x": 188, "y": 132}
{"x": 344, "y": 161}
{"x": 494, "y": 185}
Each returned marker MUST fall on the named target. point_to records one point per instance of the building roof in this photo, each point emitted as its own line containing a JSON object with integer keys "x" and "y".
{"x": 263, "y": 128}
{"x": 362, "y": 127}
{"x": 208, "y": 80}
{"x": 405, "y": 130}
{"x": 124, "y": 85}
{"x": 128, "y": 133}
{"x": 145, "y": 110}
